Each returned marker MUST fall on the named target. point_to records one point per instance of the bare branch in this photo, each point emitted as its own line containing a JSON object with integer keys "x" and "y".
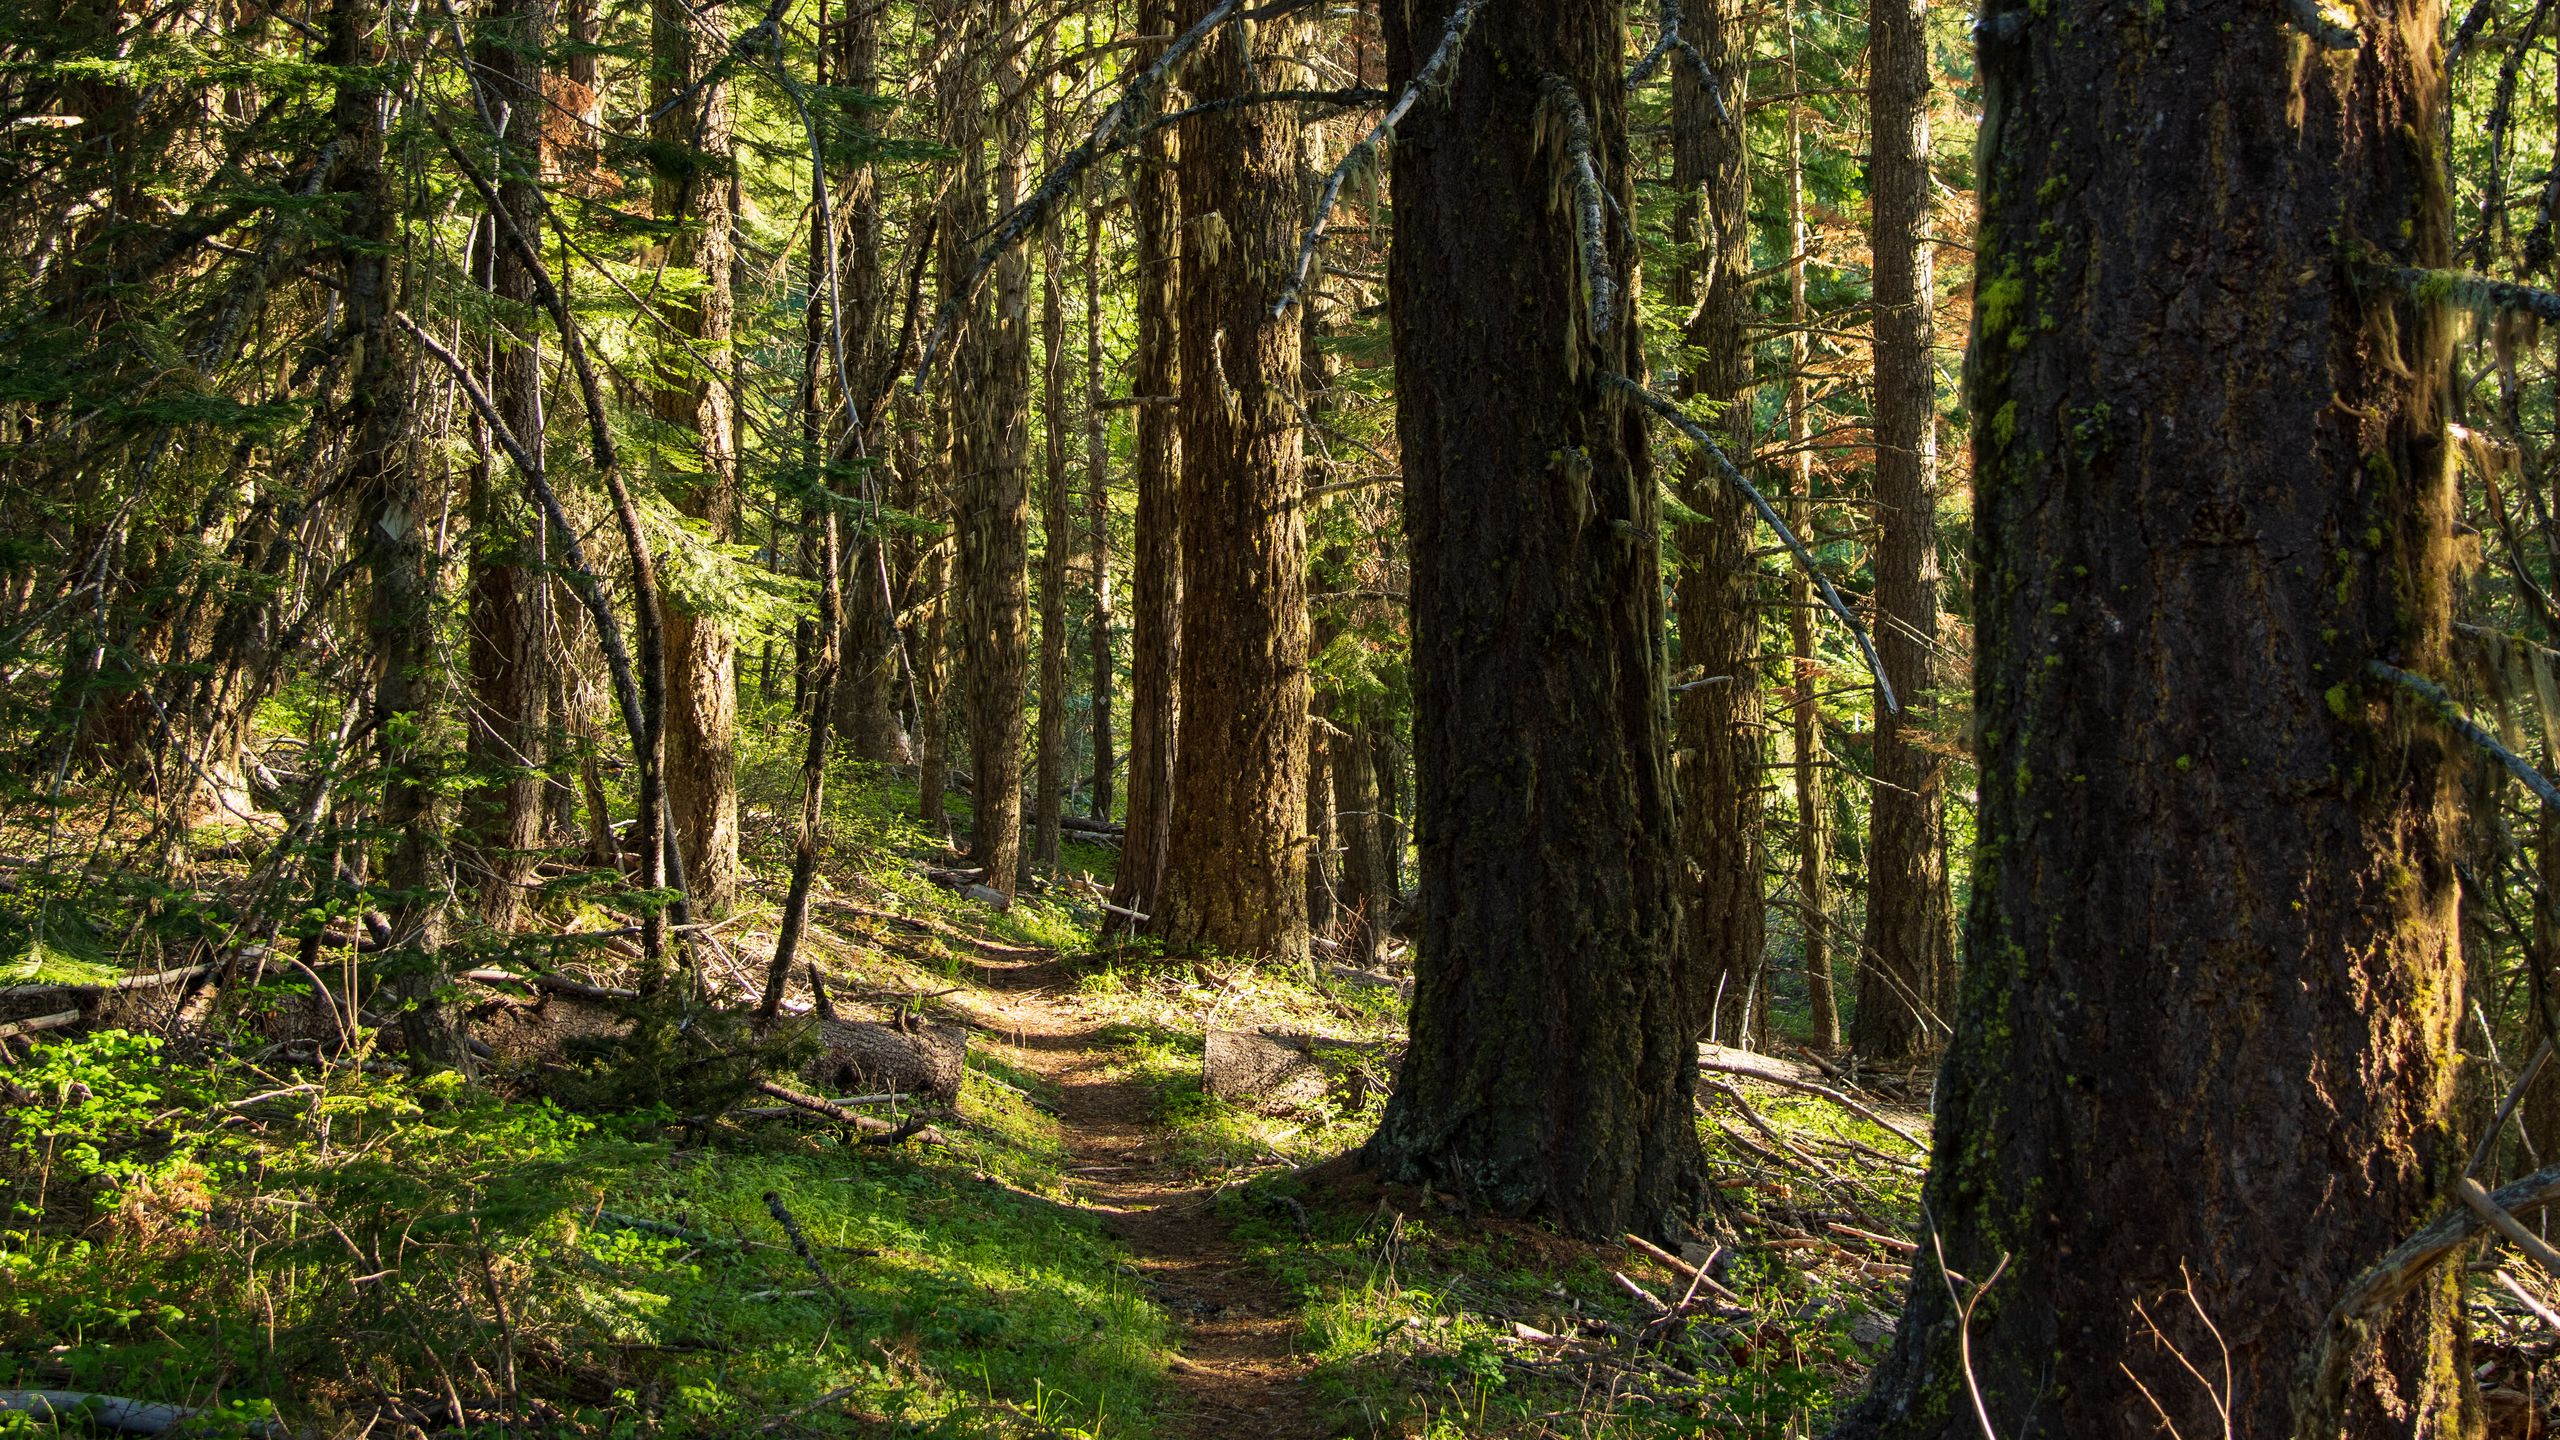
{"x": 1434, "y": 74}
{"x": 1590, "y": 222}
{"x": 1698, "y": 435}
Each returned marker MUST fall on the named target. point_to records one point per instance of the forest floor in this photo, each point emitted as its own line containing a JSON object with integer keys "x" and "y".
{"x": 1101, "y": 1246}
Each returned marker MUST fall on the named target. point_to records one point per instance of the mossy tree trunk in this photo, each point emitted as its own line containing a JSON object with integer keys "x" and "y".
{"x": 1552, "y": 1069}
{"x": 2207, "y": 1038}
{"x": 1236, "y": 860}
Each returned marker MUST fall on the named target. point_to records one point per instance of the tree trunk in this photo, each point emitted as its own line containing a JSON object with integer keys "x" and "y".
{"x": 1056, "y": 533}
{"x": 2207, "y": 1041}
{"x": 395, "y": 519}
{"x": 1813, "y": 816}
{"x": 1552, "y": 1068}
{"x": 1155, "y": 571}
{"x": 1909, "y": 941}
{"x": 994, "y": 512}
{"x": 1097, "y": 465}
{"x": 508, "y": 723}
{"x": 1366, "y": 888}
{"x": 1718, "y": 719}
{"x": 693, "y": 396}
{"x": 867, "y": 689}
{"x": 1236, "y": 873}
{"x": 1322, "y": 909}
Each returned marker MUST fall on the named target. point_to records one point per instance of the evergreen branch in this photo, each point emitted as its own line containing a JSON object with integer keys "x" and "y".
{"x": 1590, "y": 221}
{"x": 2451, "y": 714}
{"x": 1430, "y": 76}
{"x": 1698, "y": 435}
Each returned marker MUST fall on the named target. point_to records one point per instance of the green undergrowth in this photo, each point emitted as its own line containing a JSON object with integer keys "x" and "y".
{"x": 360, "y": 1245}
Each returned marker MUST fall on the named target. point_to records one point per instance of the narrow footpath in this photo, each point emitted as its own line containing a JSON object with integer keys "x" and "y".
{"x": 1239, "y": 1373}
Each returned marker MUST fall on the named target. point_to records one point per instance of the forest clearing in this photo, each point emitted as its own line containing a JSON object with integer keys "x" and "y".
{"x": 1168, "y": 719}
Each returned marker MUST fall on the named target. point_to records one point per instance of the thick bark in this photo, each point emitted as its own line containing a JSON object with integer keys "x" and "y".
{"x": 1722, "y": 931}
{"x": 1552, "y": 1068}
{"x": 1910, "y": 939}
{"x": 394, "y": 518}
{"x": 692, "y": 395}
{"x": 2212, "y": 996}
{"x": 508, "y": 722}
{"x": 1236, "y": 873}
{"x": 1155, "y": 571}
{"x": 1048, "y": 786}
{"x": 1097, "y": 466}
{"x": 1813, "y": 817}
{"x": 994, "y": 510}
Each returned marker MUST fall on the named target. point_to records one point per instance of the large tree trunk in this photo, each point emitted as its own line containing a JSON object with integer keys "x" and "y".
{"x": 1235, "y": 878}
{"x": 1155, "y": 571}
{"x": 1910, "y": 942}
{"x": 2207, "y": 1039}
{"x": 693, "y": 396}
{"x": 395, "y": 523}
{"x": 1717, "y": 712}
{"x": 993, "y": 428}
{"x": 1813, "y": 817}
{"x": 1552, "y": 1067}
{"x": 510, "y": 687}
{"x": 1097, "y": 466}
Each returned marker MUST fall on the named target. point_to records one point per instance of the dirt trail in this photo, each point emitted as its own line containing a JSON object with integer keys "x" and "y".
{"x": 1239, "y": 1374}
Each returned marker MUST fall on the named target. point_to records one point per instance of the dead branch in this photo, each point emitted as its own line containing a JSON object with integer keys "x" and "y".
{"x": 1590, "y": 221}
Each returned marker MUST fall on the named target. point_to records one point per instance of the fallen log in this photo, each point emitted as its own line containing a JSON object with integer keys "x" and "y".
{"x": 873, "y": 1131}
{"x": 153, "y": 981}
{"x": 921, "y": 1059}
{"x": 556, "y": 984}
{"x": 109, "y": 1412}
{"x": 1270, "y": 1068}
{"x": 1787, "y": 1075}
{"x": 39, "y": 1022}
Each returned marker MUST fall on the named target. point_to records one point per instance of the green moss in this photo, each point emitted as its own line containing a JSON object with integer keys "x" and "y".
{"x": 2004, "y": 423}
{"x": 2336, "y": 695}
{"x": 1995, "y": 304}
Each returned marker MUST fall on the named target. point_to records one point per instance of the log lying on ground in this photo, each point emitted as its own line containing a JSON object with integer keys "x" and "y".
{"x": 1270, "y": 1069}
{"x": 873, "y": 1131}
{"x": 1787, "y": 1075}
{"x": 1082, "y": 825}
{"x": 921, "y": 1059}
{"x": 1350, "y": 975}
{"x": 967, "y": 882}
{"x": 135, "y": 1001}
{"x": 107, "y": 1412}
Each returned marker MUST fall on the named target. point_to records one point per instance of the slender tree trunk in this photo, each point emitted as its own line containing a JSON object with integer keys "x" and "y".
{"x": 994, "y": 504}
{"x": 2206, "y": 1057}
{"x": 1717, "y": 712}
{"x": 1813, "y": 815}
{"x": 1236, "y": 874}
{"x": 1909, "y": 943}
{"x": 1322, "y": 911}
{"x": 1552, "y": 1070}
{"x": 394, "y": 515}
{"x": 1056, "y": 532}
{"x": 1097, "y": 466}
{"x": 867, "y": 690}
{"x": 1367, "y": 889}
{"x": 508, "y": 723}
{"x": 1155, "y": 572}
{"x": 693, "y": 395}
{"x": 933, "y": 605}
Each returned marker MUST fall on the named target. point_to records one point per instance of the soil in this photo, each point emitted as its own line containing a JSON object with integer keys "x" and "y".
{"x": 1239, "y": 1373}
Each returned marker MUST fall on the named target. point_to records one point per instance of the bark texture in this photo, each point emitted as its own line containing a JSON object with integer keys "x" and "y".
{"x": 1552, "y": 1069}
{"x": 695, "y": 157}
{"x": 1056, "y": 537}
{"x": 1813, "y": 816}
{"x": 1235, "y": 873}
{"x": 993, "y": 429}
{"x": 2212, "y": 938}
{"x": 510, "y": 689}
{"x": 1910, "y": 926}
{"x": 1097, "y": 466}
{"x": 1155, "y": 569}
{"x": 1723, "y": 931}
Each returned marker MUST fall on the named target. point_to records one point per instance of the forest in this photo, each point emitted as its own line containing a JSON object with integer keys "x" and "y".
{"x": 1399, "y": 719}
